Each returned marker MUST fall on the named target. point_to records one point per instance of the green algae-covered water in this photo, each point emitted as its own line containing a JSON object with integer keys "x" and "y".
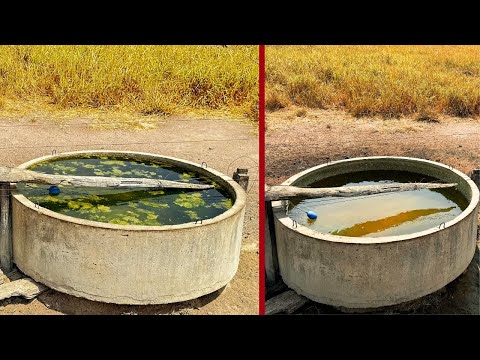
{"x": 128, "y": 206}
{"x": 379, "y": 215}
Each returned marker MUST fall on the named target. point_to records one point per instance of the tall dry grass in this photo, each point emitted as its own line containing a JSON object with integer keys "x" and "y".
{"x": 389, "y": 81}
{"x": 146, "y": 79}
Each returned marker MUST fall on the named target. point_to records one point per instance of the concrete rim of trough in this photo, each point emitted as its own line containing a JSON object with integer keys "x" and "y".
{"x": 238, "y": 205}
{"x": 287, "y": 221}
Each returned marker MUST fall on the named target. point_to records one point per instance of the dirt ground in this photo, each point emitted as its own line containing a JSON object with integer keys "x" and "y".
{"x": 296, "y": 143}
{"x": 178, "y": 137}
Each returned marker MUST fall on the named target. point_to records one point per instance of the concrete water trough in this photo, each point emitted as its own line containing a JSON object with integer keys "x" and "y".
{"x": 370, "y": 272}
{"x": 129, "y": 264}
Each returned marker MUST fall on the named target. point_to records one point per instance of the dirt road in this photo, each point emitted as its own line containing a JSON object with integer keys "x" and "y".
{"x": 223, "y": 144}
{"x": 294, "y": 144}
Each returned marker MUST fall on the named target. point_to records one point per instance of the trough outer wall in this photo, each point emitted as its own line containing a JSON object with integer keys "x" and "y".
{"x": 114, "y": 264}
{"x": 374, "y": 272}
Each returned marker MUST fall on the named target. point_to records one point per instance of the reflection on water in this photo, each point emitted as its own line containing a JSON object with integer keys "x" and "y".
{"x": 382, "y": 214}
{"x": 374, "y": 226}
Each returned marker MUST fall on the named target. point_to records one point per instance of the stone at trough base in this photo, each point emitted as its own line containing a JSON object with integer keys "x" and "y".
{"x": 26, "y": 288}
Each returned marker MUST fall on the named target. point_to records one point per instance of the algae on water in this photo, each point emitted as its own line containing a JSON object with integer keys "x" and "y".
{"x": 114, "y": 162}
{"x": 154, "y": 204}
{"x": 187, "y": 176}
{"x": 150, "y": 207}
{"x": 103, "y": 208}
{"x": 192, "y": 214}
{"x": 189, "y": 201}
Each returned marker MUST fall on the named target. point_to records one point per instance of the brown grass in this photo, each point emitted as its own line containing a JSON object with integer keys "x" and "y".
{"x": 389, "y": 81}
{"x": 148, "y": 80}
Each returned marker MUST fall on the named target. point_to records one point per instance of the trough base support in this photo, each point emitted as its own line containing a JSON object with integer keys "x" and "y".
{"x": 272, "y": 274}
{"x": 6, "y": 250}
{"x": 287, "y": 302}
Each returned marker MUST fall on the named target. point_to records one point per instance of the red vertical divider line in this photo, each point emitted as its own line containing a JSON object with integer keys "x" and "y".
{"x": 261, "y": 177}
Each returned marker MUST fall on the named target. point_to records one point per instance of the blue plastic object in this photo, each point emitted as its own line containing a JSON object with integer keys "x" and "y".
{"x": 54, "y": 190}
{"x": 311, "y": 215}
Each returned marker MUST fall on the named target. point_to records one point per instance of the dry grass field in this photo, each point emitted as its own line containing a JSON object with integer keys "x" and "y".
{"x": 141, "y": 80}
{"x": 424, "y": 82}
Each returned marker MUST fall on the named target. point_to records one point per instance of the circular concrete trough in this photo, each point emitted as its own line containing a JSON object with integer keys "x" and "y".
{"x": 365, "y": 272}
{"x": 129, "y": 264}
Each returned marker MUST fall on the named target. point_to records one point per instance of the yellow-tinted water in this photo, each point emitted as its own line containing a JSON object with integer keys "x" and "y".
{"x": 383, "y": 214}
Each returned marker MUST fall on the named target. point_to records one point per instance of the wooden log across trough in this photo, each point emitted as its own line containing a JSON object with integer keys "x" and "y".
{"x": 11, "y": 175}
{"x": 281, "y": 192}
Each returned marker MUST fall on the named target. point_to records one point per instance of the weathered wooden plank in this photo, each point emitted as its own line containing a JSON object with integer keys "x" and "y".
{"x": 288, "y": 192}
{"x": 287, "y": 302}
{"x": 271, "y": 259}
{"x": 241, "y": 177}
{"x": 15, "y": 274}
{"x": 13, "y": 175}
{"x": 26, "y": 288}
{"x": 276, "y": 289}
{"x": 476, "y": 177}
{"x": 6, "y": 251}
